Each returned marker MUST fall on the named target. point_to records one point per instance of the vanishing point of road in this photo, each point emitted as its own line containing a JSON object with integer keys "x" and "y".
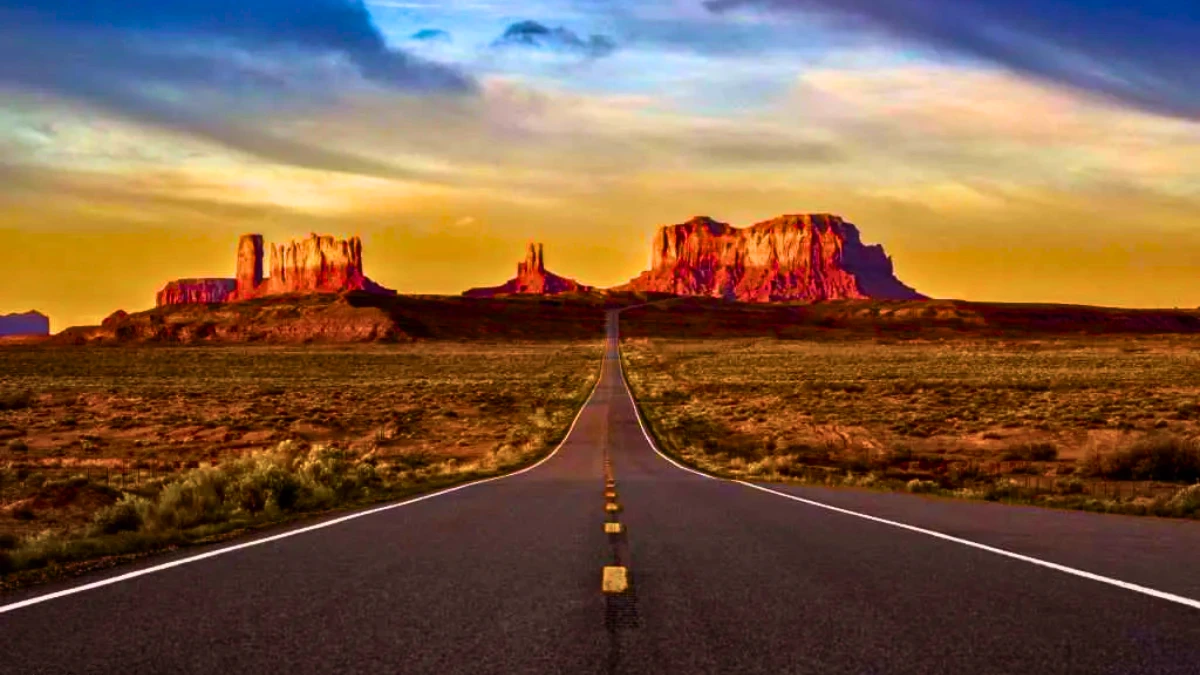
{"x": 712, "y": 576}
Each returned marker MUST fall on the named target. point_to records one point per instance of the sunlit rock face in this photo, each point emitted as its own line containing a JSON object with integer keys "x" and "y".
{"x": 319, "y": 264}
{"x": 808, "y": 257}
{"x": 315, "y": 264}
{"x": 27, "y": 323}
{"x": 532, "y": 279}
{"x": 189, "y": 291}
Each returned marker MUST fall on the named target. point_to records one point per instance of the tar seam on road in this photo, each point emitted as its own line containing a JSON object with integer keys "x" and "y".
{"x": 1136, "y": 588}
{"x": 311, "y": 528}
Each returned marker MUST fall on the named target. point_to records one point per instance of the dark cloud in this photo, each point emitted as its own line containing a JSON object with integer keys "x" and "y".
{"x": 205, "y": 67}
{"x": 431, "y": 35}
{"x": 332, "y": 26}
{"x": 1142, "y": 53}
{"x": 531, "y": 34}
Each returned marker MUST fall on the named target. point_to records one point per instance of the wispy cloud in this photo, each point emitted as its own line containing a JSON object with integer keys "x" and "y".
{"x": 1142, "y": 53}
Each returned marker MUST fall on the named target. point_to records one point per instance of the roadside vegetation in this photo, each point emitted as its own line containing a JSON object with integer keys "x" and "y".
{"x": 1098, "y": 423}
{"x": 111, "y": 452}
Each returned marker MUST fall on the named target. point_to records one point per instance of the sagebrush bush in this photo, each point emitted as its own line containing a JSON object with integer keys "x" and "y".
{"x": 1159, "y": 456}
{"x": 1001, "y": 489}
{"x": 1030, "y": 452}
{"x": 1186, "y": 502}
{"x": 16, "y": 400}
{"x": 198, "y": 497}
{"x": 126, "y": 515}
{"x": 918, "y": 486}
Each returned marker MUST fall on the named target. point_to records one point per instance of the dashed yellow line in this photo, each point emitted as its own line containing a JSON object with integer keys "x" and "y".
{"x": 612, "y": 528}
{"x": 611, "y": 507}
{"x": 611, "y": 494}
{"x": 615, "y": 580}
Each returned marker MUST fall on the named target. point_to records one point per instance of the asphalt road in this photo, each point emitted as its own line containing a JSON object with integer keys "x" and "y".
{"x": 505, "y": 577}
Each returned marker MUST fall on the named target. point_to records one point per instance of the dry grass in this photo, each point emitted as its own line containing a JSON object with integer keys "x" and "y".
{"x": 114, "y": 431}
{"x": 1069, "y": 421}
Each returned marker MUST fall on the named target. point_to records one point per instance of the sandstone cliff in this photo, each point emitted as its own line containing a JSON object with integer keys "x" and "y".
{"x": 532, "y": 279}
{"x": 29, "y": 323}
{"x": 316, "y": 264}
{"x": 794, "y": 257}
{"x": 199, "y": 291}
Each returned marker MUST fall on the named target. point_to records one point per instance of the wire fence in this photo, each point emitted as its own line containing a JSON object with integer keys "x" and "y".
{"x": 130, "y": 477}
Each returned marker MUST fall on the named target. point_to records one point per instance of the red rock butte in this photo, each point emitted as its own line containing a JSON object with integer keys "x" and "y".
{"x": 532, "y": 279}
{"x": 316, "y": 264}
{"x": 809, "y": 257}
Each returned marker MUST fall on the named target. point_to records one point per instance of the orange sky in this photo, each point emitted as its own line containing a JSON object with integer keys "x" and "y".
{"x": 983, "y": 187}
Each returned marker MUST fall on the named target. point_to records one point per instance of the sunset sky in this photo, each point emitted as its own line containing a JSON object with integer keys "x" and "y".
{"x": 1009, "y": 150}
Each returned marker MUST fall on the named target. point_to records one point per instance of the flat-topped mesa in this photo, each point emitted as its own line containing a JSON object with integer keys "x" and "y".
{"x": 196, "y": 291}
{"x": 315, "y": 264}
{"x": 28, "y": 323}
{"x": 808, "y": 257}
{"x": 532, "y": 279}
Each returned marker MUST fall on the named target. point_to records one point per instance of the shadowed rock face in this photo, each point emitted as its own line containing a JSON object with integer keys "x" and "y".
{"x": 532, "y": 279}
{"x": 795, "y": 257}
{"x": 316, "y": 264}
{"x": 29, "y": 323}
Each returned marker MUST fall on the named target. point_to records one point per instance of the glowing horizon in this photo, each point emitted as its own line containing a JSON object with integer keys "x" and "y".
{"x": 447, "y": 135}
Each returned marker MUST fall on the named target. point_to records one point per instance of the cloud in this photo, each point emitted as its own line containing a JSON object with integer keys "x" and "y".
{"x": 205, "y": 67}
{"x": 531, "y": 34}
{"x": 1142, "y": 54}
{"x": 431, "y": 35}
{"x": 920, "y": 124}
{"x": 333, "y": 26}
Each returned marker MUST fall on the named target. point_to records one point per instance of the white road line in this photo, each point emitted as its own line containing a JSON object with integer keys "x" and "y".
{"x": 646, "y": 434}
{"x": 303, "y": 530}
{"x": 1163, "y": 595}
{"x": 1144, "y": 590}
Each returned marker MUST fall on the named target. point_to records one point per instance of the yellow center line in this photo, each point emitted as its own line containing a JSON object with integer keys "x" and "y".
{"x": 615, "y": 580}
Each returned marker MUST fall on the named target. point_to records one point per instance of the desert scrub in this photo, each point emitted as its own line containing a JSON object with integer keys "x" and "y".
{"x": 174, "y": 426}
{"x": 1101, "y": 423}
{"x": 1158, "y": 456}
{"x": 262, "y": 488}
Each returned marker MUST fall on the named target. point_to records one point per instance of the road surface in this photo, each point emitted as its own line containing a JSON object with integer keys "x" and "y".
{"x": 505, "y": 577}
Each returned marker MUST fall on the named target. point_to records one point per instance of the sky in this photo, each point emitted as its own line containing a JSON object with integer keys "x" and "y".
{"x": 1000, "y": 150}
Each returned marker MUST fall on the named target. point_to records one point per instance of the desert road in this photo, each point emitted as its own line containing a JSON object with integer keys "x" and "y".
{"x": 505, "y": 576}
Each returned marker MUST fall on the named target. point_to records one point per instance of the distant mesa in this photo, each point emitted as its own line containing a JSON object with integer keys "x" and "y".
{"x": 29, "y": 323}
{"x": 810, "y": 258}
{"x": 532, "y": 279}
{"x": 316, "y": 264}
{"x": 187, "y": 291}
